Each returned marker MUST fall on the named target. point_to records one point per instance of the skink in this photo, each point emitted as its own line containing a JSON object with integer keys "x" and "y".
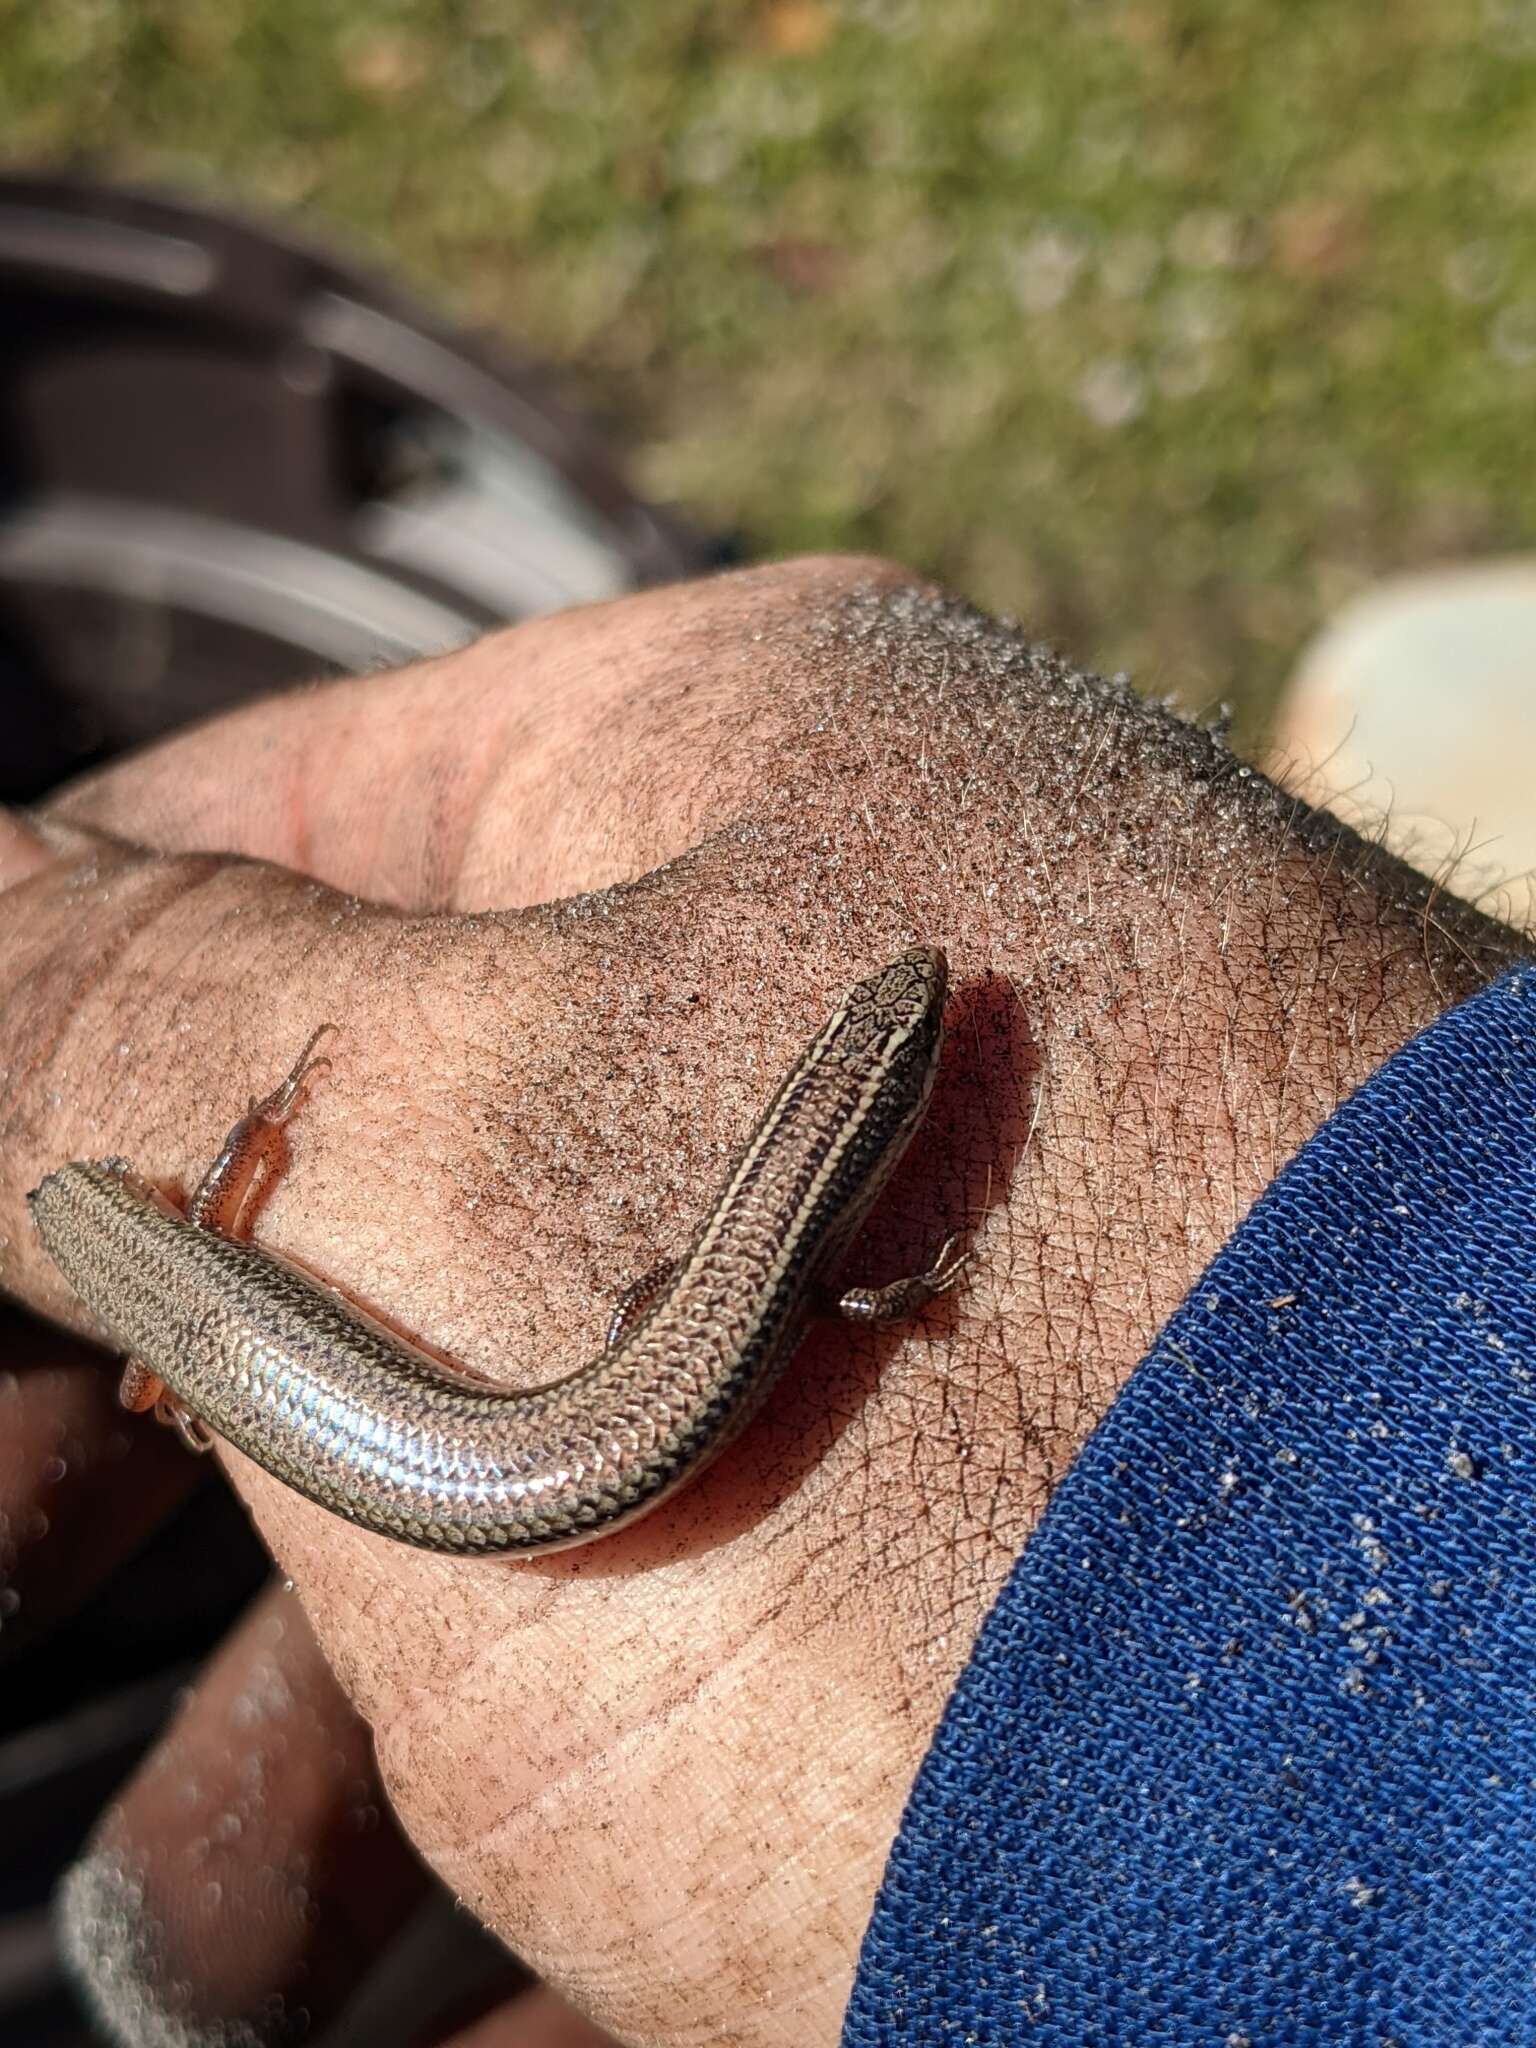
{"x": 229, "y": 1337}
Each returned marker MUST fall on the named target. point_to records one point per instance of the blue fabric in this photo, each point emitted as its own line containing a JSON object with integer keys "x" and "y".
{"x": 1246, "y": 1752}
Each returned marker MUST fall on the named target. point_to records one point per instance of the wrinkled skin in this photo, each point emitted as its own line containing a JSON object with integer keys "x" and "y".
{"x": 575, "y": 896}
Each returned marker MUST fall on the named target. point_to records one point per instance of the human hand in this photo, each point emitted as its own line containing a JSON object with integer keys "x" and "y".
{"x": 577, "y": 895}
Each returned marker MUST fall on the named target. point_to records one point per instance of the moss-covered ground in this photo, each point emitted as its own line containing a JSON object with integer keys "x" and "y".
{"x": 1164, "y": 324}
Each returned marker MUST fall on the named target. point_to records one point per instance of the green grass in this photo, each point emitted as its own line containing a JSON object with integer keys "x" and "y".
{"x": 1164, "y": 326}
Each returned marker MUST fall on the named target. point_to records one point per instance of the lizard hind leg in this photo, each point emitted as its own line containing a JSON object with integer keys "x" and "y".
{"x": 193, "y": 1431}
{"x": 140, "y": 1391}
{"x": 277, "y": 1107}
{"x": 215, "y": 1205}
{"x": 219, "y": 1200}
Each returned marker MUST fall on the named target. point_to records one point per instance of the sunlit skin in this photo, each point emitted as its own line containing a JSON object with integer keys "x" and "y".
{"x": 577, "y": 895}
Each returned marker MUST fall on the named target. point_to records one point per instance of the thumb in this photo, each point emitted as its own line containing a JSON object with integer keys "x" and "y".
{"x": 144, "y": 993}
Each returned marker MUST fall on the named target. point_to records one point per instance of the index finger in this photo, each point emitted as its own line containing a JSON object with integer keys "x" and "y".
{"x": 555, "y": 757}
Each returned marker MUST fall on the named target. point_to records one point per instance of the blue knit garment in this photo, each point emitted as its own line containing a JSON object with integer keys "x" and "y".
{"x": 1245, "y": 1755}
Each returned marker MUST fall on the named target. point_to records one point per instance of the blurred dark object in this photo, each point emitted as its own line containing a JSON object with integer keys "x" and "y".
{"x": 227, "y": 464}
{"x": 76, "y": 1714}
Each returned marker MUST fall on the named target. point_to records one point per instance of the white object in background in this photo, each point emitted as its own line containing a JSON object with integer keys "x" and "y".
{"x": 1413, "y": 716}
